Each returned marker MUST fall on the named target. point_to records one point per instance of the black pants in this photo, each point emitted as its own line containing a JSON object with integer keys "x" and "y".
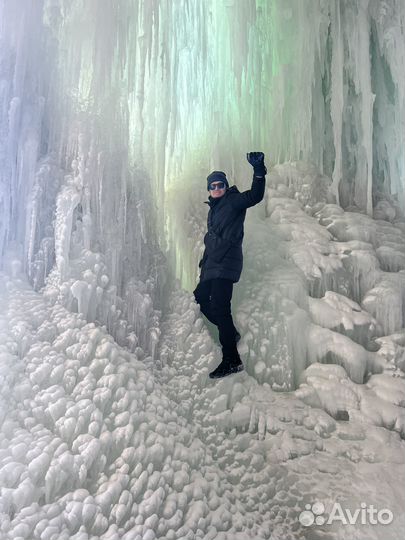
{"x": 214, "y": 297}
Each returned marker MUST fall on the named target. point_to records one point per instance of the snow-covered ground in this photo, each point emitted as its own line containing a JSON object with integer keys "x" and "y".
{"x": 98, "y": 441}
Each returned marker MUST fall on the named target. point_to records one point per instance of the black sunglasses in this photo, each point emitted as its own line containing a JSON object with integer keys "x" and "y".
{"x": 218, "y": 185}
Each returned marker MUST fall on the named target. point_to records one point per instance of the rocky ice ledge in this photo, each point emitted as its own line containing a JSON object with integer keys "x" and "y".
{"x": 321, "y": 284}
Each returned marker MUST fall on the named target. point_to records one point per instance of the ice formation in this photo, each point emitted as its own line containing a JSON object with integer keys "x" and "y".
{"x": 110, "y": 119}
{"x": 95, "y": 444}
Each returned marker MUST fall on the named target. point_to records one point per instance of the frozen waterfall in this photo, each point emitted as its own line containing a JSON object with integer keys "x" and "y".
{"x": 111, "y": 116}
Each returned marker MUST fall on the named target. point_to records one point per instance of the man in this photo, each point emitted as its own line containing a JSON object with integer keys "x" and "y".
{"x": 222, "y": 262}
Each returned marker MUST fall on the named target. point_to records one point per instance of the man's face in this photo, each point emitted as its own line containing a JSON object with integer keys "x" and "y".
{"x": 215, "y": 192}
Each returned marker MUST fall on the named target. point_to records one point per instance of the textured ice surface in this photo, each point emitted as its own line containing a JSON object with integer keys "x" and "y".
{"x": 94, "y": 445}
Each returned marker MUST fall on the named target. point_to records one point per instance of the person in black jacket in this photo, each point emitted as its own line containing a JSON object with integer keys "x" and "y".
{"x": 222, "y": 262}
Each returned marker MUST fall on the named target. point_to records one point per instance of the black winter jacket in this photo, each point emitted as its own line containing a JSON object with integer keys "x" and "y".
{"x": 223, "y": 257}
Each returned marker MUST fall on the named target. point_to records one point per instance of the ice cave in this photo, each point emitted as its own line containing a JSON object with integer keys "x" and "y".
{"x": 112, "y": 115}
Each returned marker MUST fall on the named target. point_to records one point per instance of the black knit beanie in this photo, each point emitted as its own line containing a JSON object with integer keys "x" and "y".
{"x": 217, "y": 176}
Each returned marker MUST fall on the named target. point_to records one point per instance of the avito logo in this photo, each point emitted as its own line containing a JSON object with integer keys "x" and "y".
{"x": 313, "y": 514}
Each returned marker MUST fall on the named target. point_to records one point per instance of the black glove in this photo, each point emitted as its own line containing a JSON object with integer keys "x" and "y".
{"x": 256, "y": 159}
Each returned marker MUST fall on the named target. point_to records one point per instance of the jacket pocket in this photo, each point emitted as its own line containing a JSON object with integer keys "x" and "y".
{"x": 217, "y": 247}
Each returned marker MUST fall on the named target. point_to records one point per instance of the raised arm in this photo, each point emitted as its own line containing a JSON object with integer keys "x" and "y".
{"x": 252, "y": 196}
{"x": 255, "y": 194}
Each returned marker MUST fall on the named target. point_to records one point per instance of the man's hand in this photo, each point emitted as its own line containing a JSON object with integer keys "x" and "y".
{"x": 256, "y": 159}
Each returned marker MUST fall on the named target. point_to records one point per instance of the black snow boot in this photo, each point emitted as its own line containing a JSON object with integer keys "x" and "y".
{"x": 231, "y": 363}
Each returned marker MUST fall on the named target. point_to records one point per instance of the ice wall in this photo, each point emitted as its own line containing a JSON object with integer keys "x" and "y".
{"x": 112, "y": 117}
